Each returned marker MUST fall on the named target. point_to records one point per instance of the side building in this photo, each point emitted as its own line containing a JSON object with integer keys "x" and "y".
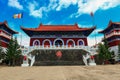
{"x": 112, "y": 35}
{"x": 6, "y": 34}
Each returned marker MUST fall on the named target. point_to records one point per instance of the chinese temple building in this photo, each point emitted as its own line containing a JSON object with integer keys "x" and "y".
{"x": 53, "y": 42}
{"x": 5, "y": 34}
{"x": 112, "y": 35}
{"x": 58, "y": 35}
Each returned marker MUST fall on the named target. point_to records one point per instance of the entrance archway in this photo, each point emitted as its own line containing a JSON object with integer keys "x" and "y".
{"x": 46, "y": 42}
{"x": 58, "y": 42}
{"x": 70, "y": 42}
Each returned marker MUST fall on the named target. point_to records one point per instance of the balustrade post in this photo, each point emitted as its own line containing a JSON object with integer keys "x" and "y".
{"x": 25, "y": 61}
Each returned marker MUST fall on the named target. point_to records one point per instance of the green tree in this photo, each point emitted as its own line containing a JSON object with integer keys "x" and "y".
{"x": 104, "y": 53}
{"x": 13, "y": 51}
{"x": 9, "y": 52}
{"x": 17, "y": 51}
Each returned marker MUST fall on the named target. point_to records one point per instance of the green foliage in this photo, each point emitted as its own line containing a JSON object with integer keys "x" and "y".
{"x": 13, "y": 51}
{"x": 106, "y": 43}
{"x": 16, "y": 48}
{"x": 104, "y": 52}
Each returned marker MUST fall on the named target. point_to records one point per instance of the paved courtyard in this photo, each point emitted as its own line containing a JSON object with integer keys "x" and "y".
{"x": 106, "y": 72}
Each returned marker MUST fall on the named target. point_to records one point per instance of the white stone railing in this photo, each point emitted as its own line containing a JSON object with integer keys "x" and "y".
{"x": 31, "y": 48}
{"x": 111, "y": 34}
{"x": 5, "y": 35}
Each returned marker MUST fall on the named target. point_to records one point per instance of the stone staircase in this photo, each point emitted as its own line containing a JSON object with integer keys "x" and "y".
{"x": 90, "y": 50}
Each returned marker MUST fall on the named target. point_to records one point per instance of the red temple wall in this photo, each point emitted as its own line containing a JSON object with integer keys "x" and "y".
{"x": 4, "y": 32}
{"x": 70, "y": 43}
{"x": 4, "y": 44}
{"x": 114, "y": 43}
{"x": 46, "y": 43}
{"x": 52, "y": 40}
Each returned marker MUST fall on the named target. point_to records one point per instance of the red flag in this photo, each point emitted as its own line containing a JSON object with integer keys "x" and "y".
{"x": 92, "y": 14}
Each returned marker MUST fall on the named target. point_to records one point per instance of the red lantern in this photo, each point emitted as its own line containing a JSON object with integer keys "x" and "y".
{"x": 92, "y": 57}
{"x": 59, "y": 54}
{"x": 24, "y": 58}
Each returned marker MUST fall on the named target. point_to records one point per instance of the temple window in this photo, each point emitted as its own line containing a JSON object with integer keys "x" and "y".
{"x": 36, "y": 43}
{"x": 58, "y": 42}
{"x": 80, "y": 42}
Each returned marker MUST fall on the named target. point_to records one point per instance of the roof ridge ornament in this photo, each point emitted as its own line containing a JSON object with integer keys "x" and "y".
{"x": 76, "y": 25}
{"x": 40, "y": 25}
{"x": 110, "y": 22}
{"x": 5, "y": 22}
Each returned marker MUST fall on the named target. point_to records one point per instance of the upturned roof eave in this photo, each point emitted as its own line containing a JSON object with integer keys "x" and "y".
{"x": 32, "y": 30}
{"x": 6, "y": 24}
{"x": 39, "y": 30}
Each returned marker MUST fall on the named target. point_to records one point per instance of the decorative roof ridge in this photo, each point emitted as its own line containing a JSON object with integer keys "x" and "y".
{"x": 46, "y": 25}
{"x": 109, "y": 25}
{"x": 113, "y": 22}
{"x": 93, "y": 27}
{"x": 6, "y": 23}
{"x": 57, "y": 25}
{"x": 116, "y": 22}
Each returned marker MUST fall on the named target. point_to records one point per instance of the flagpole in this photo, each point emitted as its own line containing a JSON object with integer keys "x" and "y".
{"x": 93, "y": 21}
{"x": 20, "y": 40}
{"x": 21, "y": 36}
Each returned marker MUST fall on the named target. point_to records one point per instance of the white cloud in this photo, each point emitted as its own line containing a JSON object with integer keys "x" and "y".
{"x": 52, "y": 5}
{"x": 15, "y": 3}
{"x": 33, "y": 12}
{"x": 84, "y": 26}
{"x": 44, "y": 9}
{"x": 36, "y": 12}
{"x": 84, "y": 6}
{"x": 65, "y": 4}
{"x": 94, "y": 5}
{"x": 87, "y": 6}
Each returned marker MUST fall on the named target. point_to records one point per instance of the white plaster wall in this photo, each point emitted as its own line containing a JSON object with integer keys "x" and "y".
{"x": 115, "y": 49}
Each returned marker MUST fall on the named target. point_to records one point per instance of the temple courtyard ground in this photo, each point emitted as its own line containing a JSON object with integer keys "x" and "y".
{"x": 100, "y": 72}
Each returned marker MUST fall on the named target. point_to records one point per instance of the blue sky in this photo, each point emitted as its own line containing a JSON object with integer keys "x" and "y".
{"x": 60, "y": 12}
